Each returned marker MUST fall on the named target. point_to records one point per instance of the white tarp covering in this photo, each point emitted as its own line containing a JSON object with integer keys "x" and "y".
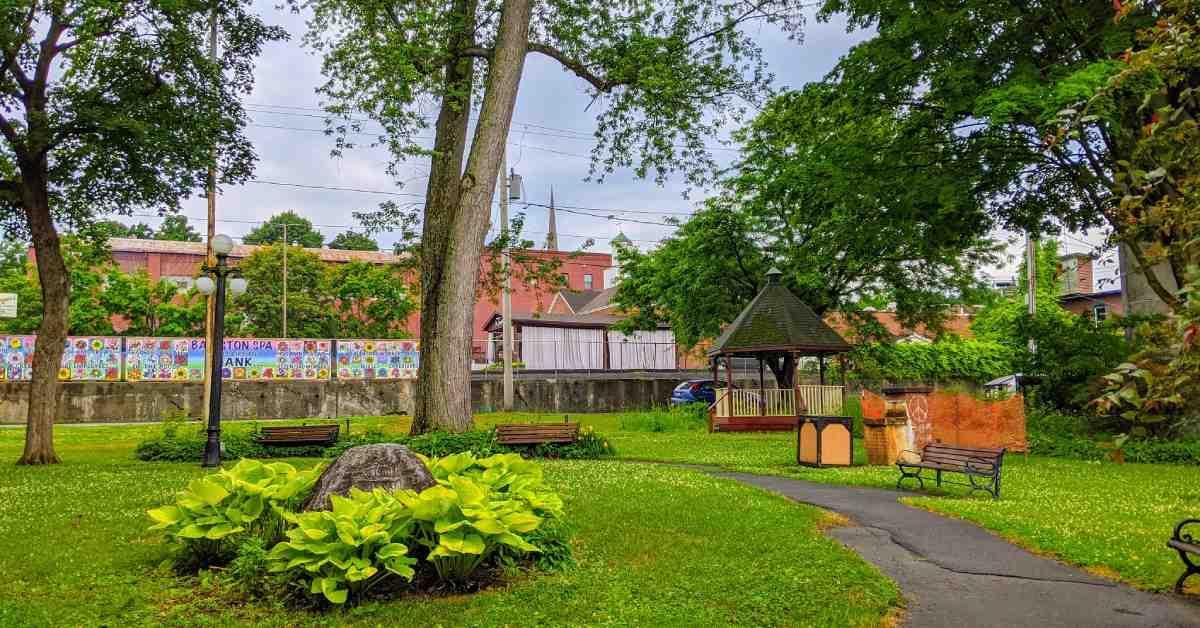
{"x": 641, "y": 350}
{"x": 562, "y": 348}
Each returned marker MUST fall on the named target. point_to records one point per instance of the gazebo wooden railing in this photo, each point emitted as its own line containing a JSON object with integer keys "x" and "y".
{"x": 745, "y": 409}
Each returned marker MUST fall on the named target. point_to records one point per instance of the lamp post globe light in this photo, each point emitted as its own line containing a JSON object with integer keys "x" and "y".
{"x": 213, "y": 283}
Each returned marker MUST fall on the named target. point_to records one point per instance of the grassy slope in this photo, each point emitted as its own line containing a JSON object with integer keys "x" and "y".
{"x": 656, "y": 546}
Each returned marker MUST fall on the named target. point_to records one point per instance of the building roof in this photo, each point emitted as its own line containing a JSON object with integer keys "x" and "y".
{"x": 576, "y": 300}
{"x": 602, "y": 301}
{"x": 589, "y": 321}
{"x": 136, "y": 245}
{"x": 956, "y": 324}
{"x": 587, "y": 301}
{"x": 777, "y": 320}
{"x": 1089, "y": 296}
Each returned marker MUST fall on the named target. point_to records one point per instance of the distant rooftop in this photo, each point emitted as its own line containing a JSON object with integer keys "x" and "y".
{"x": 137, "y": 245}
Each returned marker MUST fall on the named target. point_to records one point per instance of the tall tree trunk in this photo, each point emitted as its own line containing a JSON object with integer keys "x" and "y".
{"x": 457, "y": 223}
{"x": 52, "y": 335}
{"x": 430, "y": 410}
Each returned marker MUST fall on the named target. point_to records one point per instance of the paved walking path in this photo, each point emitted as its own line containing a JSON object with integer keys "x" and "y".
{"x": 954, "y": 573}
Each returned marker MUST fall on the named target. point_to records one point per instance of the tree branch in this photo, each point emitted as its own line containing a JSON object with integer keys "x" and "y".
{"x": 575, "y": 66}
{"x": 10, "y": 56}
{"x": 478, "y": 52}
{"x": 10, "y": 134}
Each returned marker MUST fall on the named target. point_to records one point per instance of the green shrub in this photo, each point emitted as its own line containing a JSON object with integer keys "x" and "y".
{"x": 689, "y": 417}
{"x": 183, "y": 445}
{"x": 345, "y": 551}
{"x": 590, "y": 446}
{"x": 1070, "y": 436}
{"x": 431, "y": 444}
{"x": 948, "y": 359}
{"x": 215, "y": 511}
{"x": 481, "y": 443}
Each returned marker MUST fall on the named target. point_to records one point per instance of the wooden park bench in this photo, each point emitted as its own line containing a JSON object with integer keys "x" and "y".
{"x": 1185, "y": 544}
{"x": 298, "y": 435}
{"x": 536, "y": 433}
{"x": 981, "y": 466}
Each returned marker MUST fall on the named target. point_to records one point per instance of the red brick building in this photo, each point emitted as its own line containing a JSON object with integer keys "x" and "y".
{"x": 1078, "y": 293}
{"x": 180, "y": 262}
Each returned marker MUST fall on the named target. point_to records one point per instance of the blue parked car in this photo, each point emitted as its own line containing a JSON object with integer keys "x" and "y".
{"x": 695, "y": 391}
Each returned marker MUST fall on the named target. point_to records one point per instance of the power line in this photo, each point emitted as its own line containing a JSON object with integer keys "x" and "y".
{"x": 377, "y": 134}
{"x": 576, "y": 133}
{"x": 527, "y": 127}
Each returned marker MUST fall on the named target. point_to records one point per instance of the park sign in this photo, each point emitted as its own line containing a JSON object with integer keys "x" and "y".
{"x": 278, "y": 358}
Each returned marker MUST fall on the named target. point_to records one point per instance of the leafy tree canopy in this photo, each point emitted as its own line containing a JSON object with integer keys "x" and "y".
{"x": 176, "y": 227}
{"x": 837, "y": 202}
{"x": 117, "y": 229}
{"x": 353, "y": 241}
{"x": 300, "y": 231}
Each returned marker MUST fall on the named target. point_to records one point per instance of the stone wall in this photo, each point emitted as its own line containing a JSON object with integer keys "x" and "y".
{"x": 103, "y": 402}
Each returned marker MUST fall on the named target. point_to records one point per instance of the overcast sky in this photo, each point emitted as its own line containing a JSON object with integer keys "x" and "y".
{"x": 549, "y": 146}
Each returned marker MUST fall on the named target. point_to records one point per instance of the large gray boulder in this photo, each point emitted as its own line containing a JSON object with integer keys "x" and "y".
{"x": 387, "y": 466}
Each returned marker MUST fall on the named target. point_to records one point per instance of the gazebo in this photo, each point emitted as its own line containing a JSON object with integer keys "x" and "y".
{"x": 777, "y": 329}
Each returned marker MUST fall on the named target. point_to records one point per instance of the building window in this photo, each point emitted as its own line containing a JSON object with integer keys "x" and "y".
{"x": 1099, "y": 312}
{"x": 587, "y": 282}
{"x": 566, "y": 280}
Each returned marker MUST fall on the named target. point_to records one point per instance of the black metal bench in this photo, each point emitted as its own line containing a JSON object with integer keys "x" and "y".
{"x": 298, "y": 435}
{"x": 1185, "y": 544}
{"x": 981, "y": 466}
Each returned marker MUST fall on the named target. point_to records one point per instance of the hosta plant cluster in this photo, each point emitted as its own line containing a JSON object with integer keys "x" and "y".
{"x": 249, "y": 498}
{"x": 349, "y": 548}
{"x": 478, "y": 505}
{"x": 481, "y": 509}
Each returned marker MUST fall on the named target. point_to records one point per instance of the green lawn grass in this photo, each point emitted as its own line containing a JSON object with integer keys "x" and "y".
{"x": 1113, "y": 519}
{"x": 657, "y": 545}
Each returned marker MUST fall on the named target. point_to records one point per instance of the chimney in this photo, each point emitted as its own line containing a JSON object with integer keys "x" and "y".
{"x": 552, "y": 229}
{"x": 1086, "y": 285}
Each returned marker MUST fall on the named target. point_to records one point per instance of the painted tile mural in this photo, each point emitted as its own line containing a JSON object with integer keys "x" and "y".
{"x": 258, "y": 359}
{"x": 377, "y": 359}
{"x": 164, "y": 359}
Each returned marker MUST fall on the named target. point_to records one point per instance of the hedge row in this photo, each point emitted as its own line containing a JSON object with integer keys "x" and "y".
{"x": 1156, "y": 450}
{"x": 188, "y": 446}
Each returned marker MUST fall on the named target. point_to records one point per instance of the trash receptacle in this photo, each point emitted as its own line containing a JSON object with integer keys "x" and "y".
{"x": 824, "y": 441}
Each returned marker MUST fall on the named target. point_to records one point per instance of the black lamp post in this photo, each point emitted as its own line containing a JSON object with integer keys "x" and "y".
{"x": 222, "y": 245}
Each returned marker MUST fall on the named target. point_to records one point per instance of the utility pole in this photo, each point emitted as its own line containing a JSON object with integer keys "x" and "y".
{"x": 1031, "y": 280}
{"x": 285, "y": 252}
{"x": 506, "y": 296}
{"x": 210, "y": 189}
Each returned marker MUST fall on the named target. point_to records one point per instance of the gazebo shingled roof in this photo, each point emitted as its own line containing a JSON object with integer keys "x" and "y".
{"x": 778, "y": 321}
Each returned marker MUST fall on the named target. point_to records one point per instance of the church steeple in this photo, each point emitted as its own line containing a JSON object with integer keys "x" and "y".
{"x": 552, "y": 229}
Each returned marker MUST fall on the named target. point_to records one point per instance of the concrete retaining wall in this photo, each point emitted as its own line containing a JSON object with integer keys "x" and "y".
{"x": 101, "y": 402}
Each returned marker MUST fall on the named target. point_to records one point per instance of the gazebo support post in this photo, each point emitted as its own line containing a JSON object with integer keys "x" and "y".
{"x": 821, "y": 367}
{"x": 762, "y": 392}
